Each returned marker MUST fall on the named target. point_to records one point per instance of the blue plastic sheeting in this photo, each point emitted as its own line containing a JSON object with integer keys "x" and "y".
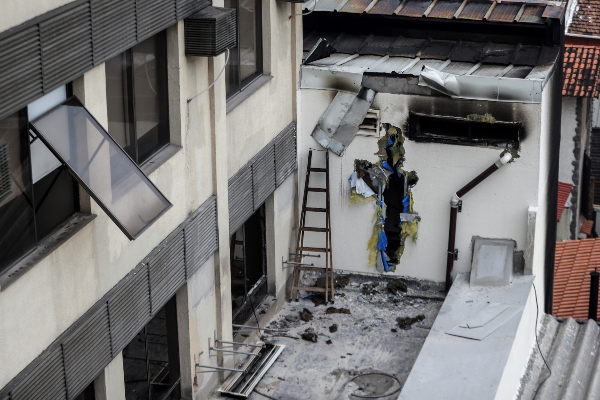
{"x": 406, "y": 203}
{"x": 387, "y": 166}
{"x": 382, "y": 245}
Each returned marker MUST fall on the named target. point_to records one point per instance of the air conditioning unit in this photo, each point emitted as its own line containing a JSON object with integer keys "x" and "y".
{"x": 5, "y": 181}
{"x": 210, "y": 32}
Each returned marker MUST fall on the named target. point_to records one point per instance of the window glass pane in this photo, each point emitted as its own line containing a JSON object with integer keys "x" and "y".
{"x": 55, "y": 200}
{"x": 247, "y": 38}
{"x": 232, "y": 70}
{"x": 132, "y": 201}
{"x": 118, "y": 102}
{"x": 149, "y": 77}
{"x": 17, "y": 230}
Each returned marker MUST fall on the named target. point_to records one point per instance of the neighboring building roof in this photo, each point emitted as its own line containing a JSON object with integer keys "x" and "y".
{"x": 564, "y": 190}
{"x": 581, "y": 71}
{"x": 571, "y": 351}
{"x": 574, "y": 260}
{"x": 586, "y": 226}
{"x": 586, "y": 19}
{"x": 494, "y": 11}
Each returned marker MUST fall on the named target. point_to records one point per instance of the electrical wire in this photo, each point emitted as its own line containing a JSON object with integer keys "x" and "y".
{"x": 365, "y": 396}
{"x": 538, "y": 343}
{"x": 309, "y": 12}
{"x": 216, "y": 79}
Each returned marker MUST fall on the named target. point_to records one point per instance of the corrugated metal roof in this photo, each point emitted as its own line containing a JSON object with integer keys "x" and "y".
{"x": 571, "y": 350}
{"x": 564, "y": 191}
{"x": 515, "y": 11}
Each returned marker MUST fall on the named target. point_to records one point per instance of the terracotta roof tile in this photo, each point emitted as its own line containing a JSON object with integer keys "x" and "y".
{"x": 574, "y": 260}
{"x": 564, "y": 190}
{"x": 581, "y": 71}
{"x": 586, "y": 226}
{"x": 586, "y": 20}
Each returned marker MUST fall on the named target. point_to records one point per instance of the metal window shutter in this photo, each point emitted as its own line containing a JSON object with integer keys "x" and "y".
{"x": 167, "y": 270}
{"x": 7, "y": 397}
{"x": 113, "y": 28}
{"x": 201, "y": 239}
{"x": 20, "y": 70}
{"x": 188, "y": 7}
{"x": 285, "y": 153}
{"x": 240, "y": 198}
{"x": 87, "y": 351}
{"x": 263, "y": 175}
{"x": 46, "y": 381}
{"x": 129, "y": 310}
{"x": 153, "y": 16}
{"x": 66, "y": 46}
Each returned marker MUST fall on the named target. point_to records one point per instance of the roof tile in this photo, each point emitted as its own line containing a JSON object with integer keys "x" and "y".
{"x": 564, "y": 190}
{"x": 581, "y": 71}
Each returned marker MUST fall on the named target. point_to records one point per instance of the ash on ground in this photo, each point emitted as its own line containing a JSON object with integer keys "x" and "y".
{"x": 382, "y": 327}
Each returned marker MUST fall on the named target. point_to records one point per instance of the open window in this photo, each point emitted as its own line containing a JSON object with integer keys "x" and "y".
{"x": 475, "y": 130}
{"x": 106, "y": 172}
{"x": 248, "y": 267}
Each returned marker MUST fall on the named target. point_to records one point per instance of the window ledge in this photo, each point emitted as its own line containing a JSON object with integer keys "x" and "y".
{"x": 246, "y": 92}
{"x": 44, "y": 248}
{"x": 159, "y": 158}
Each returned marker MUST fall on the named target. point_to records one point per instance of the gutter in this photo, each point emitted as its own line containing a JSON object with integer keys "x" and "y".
{"x": 456, "y": 207}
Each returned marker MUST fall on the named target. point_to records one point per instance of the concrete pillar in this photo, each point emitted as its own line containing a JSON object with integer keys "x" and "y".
{"x": 110, "y": 384}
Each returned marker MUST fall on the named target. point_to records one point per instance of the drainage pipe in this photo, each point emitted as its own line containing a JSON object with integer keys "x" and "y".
{"x": 454, "y": 205}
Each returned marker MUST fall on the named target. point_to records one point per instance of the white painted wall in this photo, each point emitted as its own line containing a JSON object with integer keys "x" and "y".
{"x": 497, "y": 208}
{"x": 16, "y": 12}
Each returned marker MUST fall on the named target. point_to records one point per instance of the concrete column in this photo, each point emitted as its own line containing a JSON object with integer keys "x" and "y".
{"x": 110, "y": 384}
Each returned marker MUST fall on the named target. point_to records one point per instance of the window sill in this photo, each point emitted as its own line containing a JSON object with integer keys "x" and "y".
{"x": 246, "y": 92}
{"x": 158, "y": 159}
{"x": 44, "y": 248}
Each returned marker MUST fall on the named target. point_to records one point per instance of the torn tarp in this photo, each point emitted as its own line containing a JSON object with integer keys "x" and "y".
{"x": 340, "y": 122}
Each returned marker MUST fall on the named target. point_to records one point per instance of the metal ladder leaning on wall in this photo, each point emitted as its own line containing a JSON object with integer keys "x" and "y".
{"x": 300, "y": 249}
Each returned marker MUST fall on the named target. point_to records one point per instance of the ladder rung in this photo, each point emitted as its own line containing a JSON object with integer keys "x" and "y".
{"x": 314, "y": 189}
{"x": 311, "y": 229}
{"x": 315, "y": 209}
{"x": 309, "y": 289}
{"x": 313, "y": 269}
{"x": 315, "y": 249}
{"x": 318, "y": 170}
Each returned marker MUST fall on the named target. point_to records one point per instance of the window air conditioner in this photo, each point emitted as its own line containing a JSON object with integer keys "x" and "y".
{"x": 210, "y": 31}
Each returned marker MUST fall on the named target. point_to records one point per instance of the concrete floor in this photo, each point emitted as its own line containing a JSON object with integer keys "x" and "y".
{"x": 368, "y": 339}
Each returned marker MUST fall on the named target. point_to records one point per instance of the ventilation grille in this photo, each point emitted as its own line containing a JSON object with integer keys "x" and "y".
{"x": 113, "y": 27}
{"x": 5, "y": 185}
{"x": 263, "y": 175}
{"x": 154, "y": 16}
{"x": 285, "y": 153}
{"x": 187, "y": 7}
{"x": 201, "y": 239}
{"x": 167, "y": 271}
{"x": 46, "y": 381}
{"x": 370, "y": 125}
{"x": 210, "y": 31}
{"x": 240, "y": 198}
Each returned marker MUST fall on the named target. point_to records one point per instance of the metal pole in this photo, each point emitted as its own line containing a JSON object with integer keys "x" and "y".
{"x": 593, "y": 305}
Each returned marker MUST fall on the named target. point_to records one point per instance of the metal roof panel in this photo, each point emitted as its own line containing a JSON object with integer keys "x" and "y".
{"x": 393, "y": 65}
{"x": 328, "y": 5}
{"x": 414, "y": 8}
{"x": 475, "y": 10}
{"x": 458, "y": 68}
{"x": 504, "y": 12}
{"x": 418, "y": 67}
{"x": 378, "y": 45}
{"x": 385, "y": 7}
{"x": 445, "y": 9}
{"x": 527, "y": 55}
{"x": 490, "y": 70}
{"x": 314, "y": 36}
{"x": 331, "y": 60}
{"x": 438, "y": 49}
{"x": 355, "y": 6}
{"x": 406, "y": 47}
{"x": 349, "y": 43}
{"x": 532, "y": 15}
{"x": 496, "y": 53}
{"x": 467, "y": 52}
{"x": 518, "y": 72}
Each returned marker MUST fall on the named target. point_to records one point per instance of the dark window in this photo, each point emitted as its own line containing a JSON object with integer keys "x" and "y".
{"x": 248, "y": 267}
{"x": 427, "y": 128}
{"x": 136, "y": 90}
{"x": 245, "y": 60}
{"x": 151, "y": 359}
{"x": 37, "y": 193}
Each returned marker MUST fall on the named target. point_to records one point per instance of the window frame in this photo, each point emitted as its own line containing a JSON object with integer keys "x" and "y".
{"x": 243, "y": 84}
{"x": 129, "y": 93}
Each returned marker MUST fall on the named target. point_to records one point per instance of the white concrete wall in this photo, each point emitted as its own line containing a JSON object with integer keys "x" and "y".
{"x": 497, "y": 208}
{"x": 16, "y": 12}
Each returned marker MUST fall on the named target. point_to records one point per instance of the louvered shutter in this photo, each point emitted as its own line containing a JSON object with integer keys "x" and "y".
{"x": 167, "y": 270}
{"x": 20, "y": 70}
{"x": 240, "y": 198}
{"x": 66, "y": 46}
{"x": 285, "y": 153}
{"x": 263, "y": 175}
{"x": 187, "y": 7}
{"x": 113, "y": 28}
{"x": 7, "y": 397}
{"x": 87, "y": 351}
{"x": 129, "y": 310}
{"x": 201, "y": 239}
{"x": 46, "y": 381}
{"x": 153, "y": 16}
{"x": 5, "y": 176}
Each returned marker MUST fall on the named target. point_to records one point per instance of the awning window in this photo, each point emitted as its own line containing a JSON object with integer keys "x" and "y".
{"x": 101, "y": 167}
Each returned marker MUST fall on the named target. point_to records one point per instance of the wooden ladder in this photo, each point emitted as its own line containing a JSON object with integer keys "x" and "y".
{"x": 301, "y": 249}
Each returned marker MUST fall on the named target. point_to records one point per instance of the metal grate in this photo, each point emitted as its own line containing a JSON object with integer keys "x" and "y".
{"x": 285, "y": 153}
{"x": 201, "y": 236}
{"x": 167, "y": 270}
{"x": 263, "y": 175}
{"x": 154, "y": 16}
{"x": 210, "y": 31}
{"x": 240, "y": 198}
{"x": 20, "y": 70}
{"x": 5, "y": 181}
{"x": 46, "y": 381}
{"x": 129, "y": 310}
{"x": 87, "y": 352}
{"x": 66, "y": 47}
{"x": 187, "y": 7}
{"x": 113, "y": 27}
